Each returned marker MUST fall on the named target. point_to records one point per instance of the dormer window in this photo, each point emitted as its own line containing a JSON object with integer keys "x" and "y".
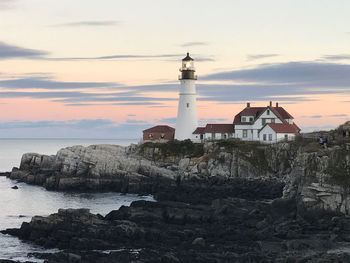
{"x": 251, "y": 119}
{"x": 268, "y": 112}
{"x": 244, "y": 119}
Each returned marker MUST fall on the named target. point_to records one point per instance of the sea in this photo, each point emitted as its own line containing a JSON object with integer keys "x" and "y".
{"x": 17, "y": 206}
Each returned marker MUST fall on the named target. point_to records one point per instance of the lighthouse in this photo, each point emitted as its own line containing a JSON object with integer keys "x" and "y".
{"x": 187, "y": 120}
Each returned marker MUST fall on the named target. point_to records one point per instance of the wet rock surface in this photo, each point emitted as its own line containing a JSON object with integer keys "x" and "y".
{"x": 217, "y": 230}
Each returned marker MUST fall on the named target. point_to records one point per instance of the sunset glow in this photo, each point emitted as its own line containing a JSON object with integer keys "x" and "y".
{"x": 112, "y": 70}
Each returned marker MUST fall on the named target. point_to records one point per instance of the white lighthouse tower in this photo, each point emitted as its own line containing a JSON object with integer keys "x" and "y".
{"x": 187, "y": 120}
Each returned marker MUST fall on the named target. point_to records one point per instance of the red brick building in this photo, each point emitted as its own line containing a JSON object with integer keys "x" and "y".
{"x": 159, "y": 132}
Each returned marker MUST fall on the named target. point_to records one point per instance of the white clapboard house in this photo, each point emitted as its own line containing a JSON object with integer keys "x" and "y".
{"x": 266, "y": 124}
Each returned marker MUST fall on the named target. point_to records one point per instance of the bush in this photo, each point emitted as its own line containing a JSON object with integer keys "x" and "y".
{"x": 339, "y": 168}
{"x": 175, "y": 148}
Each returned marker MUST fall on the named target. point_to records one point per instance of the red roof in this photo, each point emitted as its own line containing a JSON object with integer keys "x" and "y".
{"x": 280, "y": 112}
{"x": 160, "y": 128}
{"x": 296, "y": 127}
{"x": 199, "y": 130}
{"x": 284, "y": 127}
{"x": 278, "y": 115}
{"x": 248, "y": 111}
{"x": 283, "y": 113}
{"x": 219, "y": 128}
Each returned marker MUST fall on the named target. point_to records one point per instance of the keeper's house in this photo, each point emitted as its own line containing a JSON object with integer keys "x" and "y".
{"x": 266, "y": 124}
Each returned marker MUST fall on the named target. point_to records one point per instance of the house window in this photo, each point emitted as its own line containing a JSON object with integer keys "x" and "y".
{"x": 286, "y": 137}
{"x": 230, "y": 135}
{"x": 188, "y": 105}
{"x": 245, "y": 133}
{"x": 270, "y": 137}
{"x": 264, "y": 137}
{"x": 273, "y": 120}
{"x": 162, "y": 136}
{"x": 150, "y": 135}
{"x": 243, "y": 119}
{"x": 268, "y": 112}
{"x": 263, "y": 121}
{"x": 223, "y": 136}
{"x": 213, "y": 135}
{"x": 251, "y": 119}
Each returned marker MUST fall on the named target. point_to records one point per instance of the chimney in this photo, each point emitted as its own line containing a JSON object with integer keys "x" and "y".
{"x": 248, "y": 104}
{"x": 276, "y": 104}
{"x": 270, "y": 103}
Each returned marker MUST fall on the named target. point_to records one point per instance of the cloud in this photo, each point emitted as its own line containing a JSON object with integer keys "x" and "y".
{"x": 161, "y": 106}
{"x": 77, "y": 124}
{"x": 145, "y": 103}
{"x": 287, "y": 82}
{"x": 132, "y": 121}
{"x": 171, "y": 120}
{"x": 80, "y": 98}
{"x": 112, "y": 57}
{"x": 336, "y": 57}
{"x": 84, "y": 128}
{"x": 195, "y": 43}
{"x": 50, "y": 84}
{"x": 84, "y": 104}
{"x": 338, "y": 115}
{"x": 167, "y": 57}
{"x": 310, "y": 74}
{"x": 313, "y": 117}
{"x": 89, "y": 24}
{"x": 6, "y": 4}
{"x": 261, "y": 56}
{"x": 112, "y": 97}
{"x": 8, "y": 51}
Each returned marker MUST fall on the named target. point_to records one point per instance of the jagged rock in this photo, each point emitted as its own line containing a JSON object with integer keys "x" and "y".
{"x": 184, "y": 163}
{"x": 96, "y": 167}
{"x": 178, "y": 232}
{"x": 199, "y": 241}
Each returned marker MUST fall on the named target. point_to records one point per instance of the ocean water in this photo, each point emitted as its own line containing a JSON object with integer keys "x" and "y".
{"x": 17, "y": 206}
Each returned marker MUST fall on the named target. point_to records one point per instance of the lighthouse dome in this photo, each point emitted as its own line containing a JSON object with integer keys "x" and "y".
{"x": 188, "y": 58}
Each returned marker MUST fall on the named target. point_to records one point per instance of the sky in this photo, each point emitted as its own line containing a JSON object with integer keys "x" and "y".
{"x": 109, "y": 68}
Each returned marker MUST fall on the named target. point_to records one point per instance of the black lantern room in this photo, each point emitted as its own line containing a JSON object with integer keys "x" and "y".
{"x": 187, "y": 69}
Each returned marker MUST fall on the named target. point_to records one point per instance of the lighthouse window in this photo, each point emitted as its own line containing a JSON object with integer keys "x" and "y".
{"x": 188, "y": 105}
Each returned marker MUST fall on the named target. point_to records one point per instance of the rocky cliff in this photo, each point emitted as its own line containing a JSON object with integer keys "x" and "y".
{"x": 317, "y": 177}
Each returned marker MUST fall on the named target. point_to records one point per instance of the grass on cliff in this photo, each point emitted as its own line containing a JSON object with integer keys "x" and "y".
{"x": 174, "y": 148}
{"x": 339, "y": 167}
